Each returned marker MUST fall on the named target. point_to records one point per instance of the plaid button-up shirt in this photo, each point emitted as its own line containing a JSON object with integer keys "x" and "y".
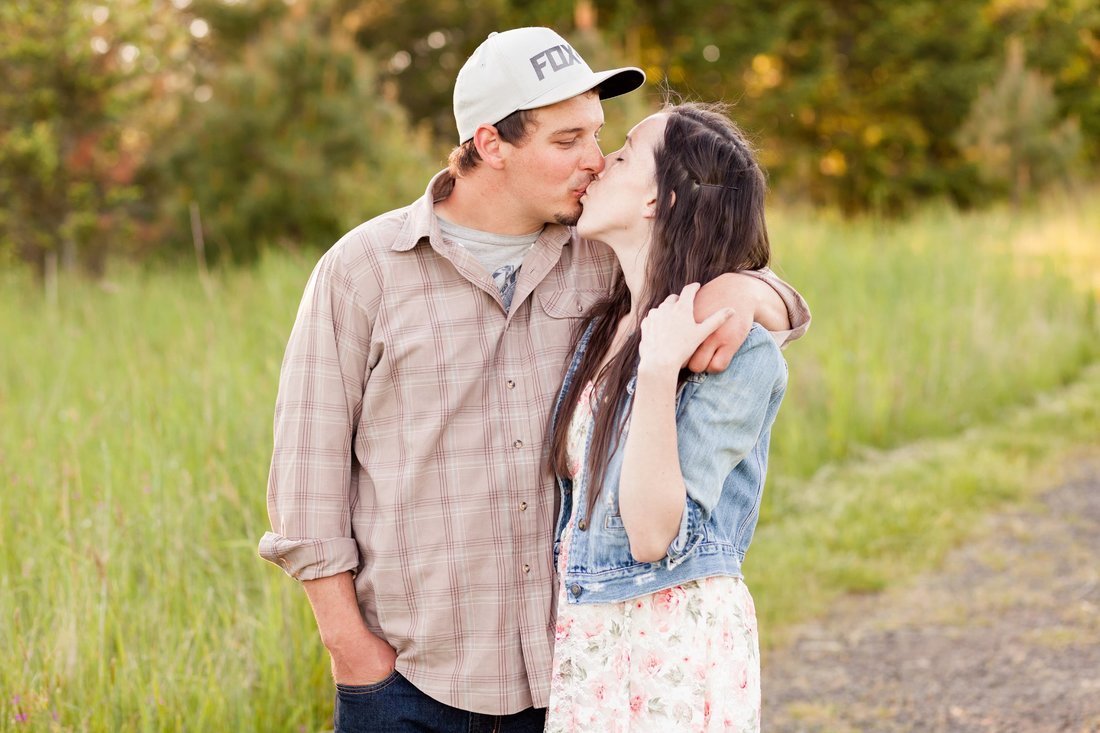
{"x": 409, "y": 434}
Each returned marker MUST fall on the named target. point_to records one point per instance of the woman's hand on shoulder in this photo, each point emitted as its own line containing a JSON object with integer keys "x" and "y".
{"x": 670, "y": 334}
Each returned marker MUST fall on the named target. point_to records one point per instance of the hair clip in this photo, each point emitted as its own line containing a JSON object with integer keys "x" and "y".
{"x": 715, "y": 185}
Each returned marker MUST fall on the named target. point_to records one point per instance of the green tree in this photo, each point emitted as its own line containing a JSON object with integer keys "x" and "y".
{"x": 857, "y": 103}
{"x": 419, "y": 45}
{"x": 852, "y": 103}
{"x": 291, "y": 142}
{"x": 66, "y": 165}
{"x": 1014, "y": 134}
{"x": 1063, "y": 44}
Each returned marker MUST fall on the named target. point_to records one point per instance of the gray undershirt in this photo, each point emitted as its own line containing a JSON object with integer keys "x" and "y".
{"x": 499, "y": 254}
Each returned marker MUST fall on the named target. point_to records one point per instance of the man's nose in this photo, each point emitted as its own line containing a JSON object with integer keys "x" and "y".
{"x": 593, "y": 158}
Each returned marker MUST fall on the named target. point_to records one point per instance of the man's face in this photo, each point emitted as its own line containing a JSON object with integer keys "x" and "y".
{"x": 550, "y": 170}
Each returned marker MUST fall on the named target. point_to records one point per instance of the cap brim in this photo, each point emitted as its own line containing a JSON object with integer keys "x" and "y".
{"x": 619, "y": 81}
{"x": 611, "y": 83}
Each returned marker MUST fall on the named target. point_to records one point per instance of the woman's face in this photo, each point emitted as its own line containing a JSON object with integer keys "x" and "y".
{"x": 621, "y": 199}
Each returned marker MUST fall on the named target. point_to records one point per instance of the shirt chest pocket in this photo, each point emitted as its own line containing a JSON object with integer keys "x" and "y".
{"x": 569, "y": 303}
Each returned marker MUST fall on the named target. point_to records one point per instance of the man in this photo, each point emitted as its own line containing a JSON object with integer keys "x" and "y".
{"x": 408, "y": 487}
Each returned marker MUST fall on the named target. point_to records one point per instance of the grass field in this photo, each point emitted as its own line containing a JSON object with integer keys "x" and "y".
{"x": 949, "y": 366}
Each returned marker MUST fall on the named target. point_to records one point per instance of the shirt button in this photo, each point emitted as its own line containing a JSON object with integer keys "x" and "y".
{"x": 523, "y": 506}
{"x": 582, "y": 525}
{"x": 517, "y": 444}
{"x": 580, "y": 308}
{"x": 526, "y": 568}
{"x": 575, "y": 590}
{"x": 511, "y": 384}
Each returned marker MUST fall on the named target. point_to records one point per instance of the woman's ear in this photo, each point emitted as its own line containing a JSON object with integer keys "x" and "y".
{"x": 650, "y": 209}
{"x": 489, "y": 146}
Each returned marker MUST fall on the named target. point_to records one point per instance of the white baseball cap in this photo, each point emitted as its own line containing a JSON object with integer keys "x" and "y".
{"x": 525, "y": 68}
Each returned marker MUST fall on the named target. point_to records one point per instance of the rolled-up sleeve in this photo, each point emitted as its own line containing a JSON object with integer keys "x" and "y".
{"x": 312, "y": 482}
{"x": 798, "y": 310}
{"x": 721, "y": 427}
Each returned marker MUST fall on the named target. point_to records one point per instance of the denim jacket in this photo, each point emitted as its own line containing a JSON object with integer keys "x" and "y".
{"x": 723, "y": 426}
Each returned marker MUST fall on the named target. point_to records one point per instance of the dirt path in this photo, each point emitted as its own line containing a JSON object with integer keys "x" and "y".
{"x": 1004, "y": 637}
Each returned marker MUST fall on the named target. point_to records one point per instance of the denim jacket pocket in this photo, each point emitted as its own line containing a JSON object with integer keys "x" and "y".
{"x": 689, "y": 536}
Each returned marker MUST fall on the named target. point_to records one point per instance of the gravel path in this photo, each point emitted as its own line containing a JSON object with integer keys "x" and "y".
{"x": 1004, "y": 637}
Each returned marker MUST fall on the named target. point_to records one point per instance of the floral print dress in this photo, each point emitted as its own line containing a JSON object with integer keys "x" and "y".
{"x": 682, "y": 659}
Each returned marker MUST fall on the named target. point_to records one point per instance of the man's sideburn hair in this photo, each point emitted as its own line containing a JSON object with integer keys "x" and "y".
{"x": 513, "y": 129}
{"x": 709, "y": 221}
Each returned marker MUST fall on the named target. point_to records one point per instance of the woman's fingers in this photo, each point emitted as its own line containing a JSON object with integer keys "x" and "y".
{"x": 690, "y": 290}
{"x": 714, "y": 321}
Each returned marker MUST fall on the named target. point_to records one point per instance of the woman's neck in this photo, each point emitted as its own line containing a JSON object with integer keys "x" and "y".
{"x": 632, "y": 261}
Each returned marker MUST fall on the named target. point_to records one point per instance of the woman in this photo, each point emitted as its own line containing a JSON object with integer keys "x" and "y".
{"x": 661, "y": 470}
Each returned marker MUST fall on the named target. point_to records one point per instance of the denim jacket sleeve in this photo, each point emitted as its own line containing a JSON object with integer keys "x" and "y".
{"x": 719, "y": 425}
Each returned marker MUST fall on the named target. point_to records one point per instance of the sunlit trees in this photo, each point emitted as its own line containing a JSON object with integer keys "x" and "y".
{"x": 66, "y": 162}
{"x": 290, "y": 142}
{"x": 280, "y": 121}
{"x": 1015, "y": 135}
{"x": 854, "y": 104}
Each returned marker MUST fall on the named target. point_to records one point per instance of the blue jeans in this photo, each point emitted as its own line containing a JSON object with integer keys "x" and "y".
{"x": 394, "y": 705}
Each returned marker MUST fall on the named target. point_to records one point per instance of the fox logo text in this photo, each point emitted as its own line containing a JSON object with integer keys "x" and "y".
{"x": 556, "y": 57}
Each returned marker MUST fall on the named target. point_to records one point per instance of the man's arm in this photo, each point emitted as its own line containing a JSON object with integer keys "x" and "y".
{"x": 754, "y": 295}
{"x": 358, "y": 656}
{"x": 310, "y": 486}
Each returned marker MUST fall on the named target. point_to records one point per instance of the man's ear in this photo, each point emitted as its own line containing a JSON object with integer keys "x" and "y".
{"x": 489, "y": 146}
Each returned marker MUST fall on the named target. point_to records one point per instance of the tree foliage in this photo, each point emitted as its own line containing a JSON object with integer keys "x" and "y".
{"x": 291, "y": 120}
{"x": 1014, "y": 135}
{"x": 66, "y": 165}
{"x": 854, "y": 104}
{"x": 292, "y": 141}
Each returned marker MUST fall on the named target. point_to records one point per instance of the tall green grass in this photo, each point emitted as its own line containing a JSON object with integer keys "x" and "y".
{"x": 136, "y": 438}
{"x": 922, "y": 328}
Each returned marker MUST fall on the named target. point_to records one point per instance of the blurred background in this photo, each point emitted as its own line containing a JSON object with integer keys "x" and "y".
{"x": 170, "y": 172}
{"x": 286, "y": 122}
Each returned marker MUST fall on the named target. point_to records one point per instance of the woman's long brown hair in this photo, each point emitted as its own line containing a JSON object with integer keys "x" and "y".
{"x": 709, "y": 221}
